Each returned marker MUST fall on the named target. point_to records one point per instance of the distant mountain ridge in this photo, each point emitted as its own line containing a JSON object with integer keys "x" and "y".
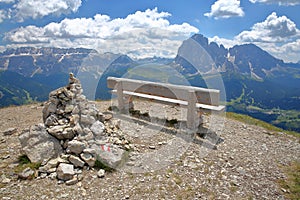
{"x": 29, "y": 61}
{"x": 256, "y": 83}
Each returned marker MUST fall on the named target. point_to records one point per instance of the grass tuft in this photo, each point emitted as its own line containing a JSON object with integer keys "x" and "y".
{"x": 100, "y": 165}
{"x": 292, "y": 183}
{"x": 24, "y": 162}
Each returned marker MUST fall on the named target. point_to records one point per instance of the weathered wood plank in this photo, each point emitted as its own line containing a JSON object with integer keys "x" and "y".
{"x": 203, "y": 95}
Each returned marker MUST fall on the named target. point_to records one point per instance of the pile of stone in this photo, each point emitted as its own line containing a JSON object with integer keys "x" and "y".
{"x": 74, "y": 136}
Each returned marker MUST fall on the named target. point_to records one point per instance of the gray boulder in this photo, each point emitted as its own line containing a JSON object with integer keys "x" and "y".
{"x": 38, "y": 145}
{"x": 114, "y": 157}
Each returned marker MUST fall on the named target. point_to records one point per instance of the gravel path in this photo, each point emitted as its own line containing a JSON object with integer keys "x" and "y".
{"x": 167, "y": 163}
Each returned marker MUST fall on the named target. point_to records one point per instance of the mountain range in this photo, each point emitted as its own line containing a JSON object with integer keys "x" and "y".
{"x": 251, "y": 80}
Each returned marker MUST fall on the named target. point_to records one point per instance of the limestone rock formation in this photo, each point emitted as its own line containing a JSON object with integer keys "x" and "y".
{"x": 38, "y": 145}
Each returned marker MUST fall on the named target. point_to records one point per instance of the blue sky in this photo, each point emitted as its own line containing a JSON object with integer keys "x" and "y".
{"x": 144, "y": 28}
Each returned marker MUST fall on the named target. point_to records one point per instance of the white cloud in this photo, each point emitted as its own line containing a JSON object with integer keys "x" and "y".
{"x": 7, "y": 1}
{"x": 3, "y": 15}
{"x": 225, "y": 9}
{"x": 39, "y": 8}
{"x": 273, "y": 29}
{"x": 277, "y": 35}
{"x": 279, "y": 2}
{"x": 141, "y": 34}
{"x": 227, "y": 43}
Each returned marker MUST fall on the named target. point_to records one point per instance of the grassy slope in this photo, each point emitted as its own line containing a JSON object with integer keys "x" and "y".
{"x": 253, "y": 121}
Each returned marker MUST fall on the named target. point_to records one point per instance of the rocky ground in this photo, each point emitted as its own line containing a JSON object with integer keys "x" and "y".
{"x": 234, "y": 161}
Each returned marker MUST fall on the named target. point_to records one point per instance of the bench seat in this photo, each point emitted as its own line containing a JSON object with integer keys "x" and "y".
{"x": 172, "y": 101}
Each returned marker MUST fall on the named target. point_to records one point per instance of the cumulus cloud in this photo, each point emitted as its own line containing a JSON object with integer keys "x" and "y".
{"x": 273, "y": 29}
{"x": 279, "y": 2}
{"x": 225, "y": 9}
{"x": 277, "y": 34}
{"x": 24, "y": 9}
{"x": 289, "y": 51}
{"x": 141, "y": 34}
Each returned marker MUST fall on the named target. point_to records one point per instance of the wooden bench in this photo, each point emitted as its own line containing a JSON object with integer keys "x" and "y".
{"x": 195, "y": 98}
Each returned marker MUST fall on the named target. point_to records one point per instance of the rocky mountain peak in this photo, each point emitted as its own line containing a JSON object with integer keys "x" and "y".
{"x": 247, "y": 59}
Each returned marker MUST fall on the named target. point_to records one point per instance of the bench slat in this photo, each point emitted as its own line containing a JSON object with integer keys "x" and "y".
{"x": 203, "y": 95}
{"x": 172, "y": 101}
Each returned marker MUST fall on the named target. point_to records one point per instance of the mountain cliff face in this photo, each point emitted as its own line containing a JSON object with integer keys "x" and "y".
{"x": 256, "y": 83}
{"x": 197, "y": 53}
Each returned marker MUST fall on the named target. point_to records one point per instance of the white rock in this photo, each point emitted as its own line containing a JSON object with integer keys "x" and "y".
{"x": 65, "y": 171}
{"x": 101, "y": 173}
{"x": 53, "y": 175}
{"x": 27, "y": 173}
{"x": 98, "y": 128}
{"x": 87, "y": 120}
{"x": 56, "y": 131}
{"x": 69, "y": 108}
{"x": 90, "y": 151}
{"x": 88, "y": 158}
{"x": 73, "y": 181}
{"x": 75, "y": 146}
{"x": 76, "y": 161}
{"x": 4, "y": 179}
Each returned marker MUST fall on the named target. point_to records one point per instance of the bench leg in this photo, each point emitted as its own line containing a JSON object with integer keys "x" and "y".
{"x": 200, "y": 117}
{"x": 129, "y": 103}
{"x": 120, "y": 96}
{"x": 191, "y": 111}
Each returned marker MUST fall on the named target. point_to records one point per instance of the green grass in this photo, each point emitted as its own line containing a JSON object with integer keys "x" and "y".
{"x": 24, "y": 162}
{"x": 238, "y": 99}
{"x": 292, "y": 183}
{"x": 100, "y": 165}
{"x": 252, "y": 121}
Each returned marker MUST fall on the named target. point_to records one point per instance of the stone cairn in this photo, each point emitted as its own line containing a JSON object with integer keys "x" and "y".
{"x": 74, "y": 136}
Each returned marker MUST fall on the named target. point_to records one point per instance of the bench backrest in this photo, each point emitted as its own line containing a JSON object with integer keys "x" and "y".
{"x": 181, "y": 92}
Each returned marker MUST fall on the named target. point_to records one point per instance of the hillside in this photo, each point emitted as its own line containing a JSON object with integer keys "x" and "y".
{"x": 248, "y": 163}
